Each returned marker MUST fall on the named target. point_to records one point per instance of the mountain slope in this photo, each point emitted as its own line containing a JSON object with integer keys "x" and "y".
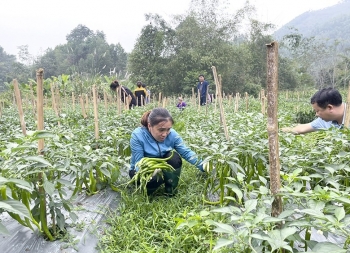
{"x": 330, "y": 23}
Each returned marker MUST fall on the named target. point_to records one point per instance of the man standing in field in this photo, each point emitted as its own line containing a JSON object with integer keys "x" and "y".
{"x": 202, "y": 88}
{"x": 330, "y": 110}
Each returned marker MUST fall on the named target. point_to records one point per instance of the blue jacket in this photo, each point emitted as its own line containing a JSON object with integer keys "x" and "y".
{"x": 205, "y": 85}
{"x": 144, "y": 145}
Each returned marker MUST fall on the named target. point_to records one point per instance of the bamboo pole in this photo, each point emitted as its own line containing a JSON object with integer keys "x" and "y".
{"x": 272, "y": 126}
{"x": 58, "y": 101}
{"x": 199, "y": 101}
{"x": 95, "y": 111}
{"x": 54, "y": 102}
{"x": 87, "y": 103}
{"x": 33, "y": 98}
{"x": 164, "y": 102}
{"x": 73, "y": 101}
{"x": 237, "y": 102}
{"x": 159, "y": 98}
{"x": 1, "y": 108}
{"x": 347, "y": 113}
{"x": 40, "y": 114}
{"x": 105, "y": 100}
{"x": 19, "y": 106}
{"x": 246, "y": 101}
{"x": 222, "y": 113}
{"x": 82, "y": 106}
{"x": 40, "y": 106}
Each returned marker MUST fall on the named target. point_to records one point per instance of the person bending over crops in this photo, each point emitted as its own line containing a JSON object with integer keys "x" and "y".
{"x": 125, "y": 93}
{"x": 140, "y": 94}
{"x": 156, "y": 138}
{"x": 329, "y": 108}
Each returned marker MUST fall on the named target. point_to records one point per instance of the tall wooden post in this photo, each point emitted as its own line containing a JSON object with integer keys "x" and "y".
{"x": 54, "y": 102}
{"x": 347, "y": 114}
{"x": 19, "y": 106}
{"x": 82, "y": 107}
{"x": 73, "y": 101}
{"x": 246, "y": 101}
{"x": 222, "y": 113}
{"x": 94, "y": 96}
{"x": 272, "y": 126}
{"x": 159, "y": 99}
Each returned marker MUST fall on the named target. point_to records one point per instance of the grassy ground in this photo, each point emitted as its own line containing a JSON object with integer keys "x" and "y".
{"x": 162, "y": 224}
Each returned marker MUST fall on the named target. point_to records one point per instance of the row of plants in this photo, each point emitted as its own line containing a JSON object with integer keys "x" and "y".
{"x": 225, "y": 210}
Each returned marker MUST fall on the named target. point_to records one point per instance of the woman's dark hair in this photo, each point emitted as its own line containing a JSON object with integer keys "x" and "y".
{"x": 144, "y": 85}
{"x": 327, "y": 96}
{"x": 202, "y": 76}
{"x": 114, "y": 85}
{"x": 139, "y": 84}
{"x": 156, "y": 116}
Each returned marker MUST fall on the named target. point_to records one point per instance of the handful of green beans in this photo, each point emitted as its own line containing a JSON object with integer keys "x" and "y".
{"x": 147, "y": 166}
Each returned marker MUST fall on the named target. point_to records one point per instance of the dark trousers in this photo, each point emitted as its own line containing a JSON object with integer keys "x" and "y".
{"x": 171, "y": 178}
{"x": 203, "y": 100}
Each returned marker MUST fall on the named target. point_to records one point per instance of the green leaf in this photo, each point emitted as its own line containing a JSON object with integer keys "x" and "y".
{"x": 327, "y": 247}
{"x": 37, "y": 159}
{"x": 312, "y": 212}
{"x": 222, "y": 242}
{"x": 42, "y": 134}
{"x": 3, "y": 230}
{"x": 73, "y": 216}
{"x": 49, "y": 187}
{"x": 224, "y": 228}
{"x": 286, "y": 213}
{"x": 339, "y": 213}
{"x": 344, "y": 200}
{"x": 236, "y": 190}
{"x": 105, "y": 172}
{"x": 250, "y": 205}
{"x": 14, "y": 206}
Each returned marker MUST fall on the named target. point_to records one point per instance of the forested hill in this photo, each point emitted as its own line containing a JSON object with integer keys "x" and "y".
{"x": 332, "y": 23}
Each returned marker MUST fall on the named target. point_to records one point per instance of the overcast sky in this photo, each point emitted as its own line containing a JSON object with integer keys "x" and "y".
{"x": 42, "y": 24}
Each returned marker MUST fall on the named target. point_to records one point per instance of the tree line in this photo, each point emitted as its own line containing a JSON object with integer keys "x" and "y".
{"x": 169, "y": 56}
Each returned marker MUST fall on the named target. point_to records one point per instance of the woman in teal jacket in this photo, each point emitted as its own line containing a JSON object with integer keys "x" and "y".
{"x": 156, "y": 138}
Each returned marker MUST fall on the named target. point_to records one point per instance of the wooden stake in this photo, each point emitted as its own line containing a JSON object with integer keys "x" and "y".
{"x": 347, "y": 113}
{"x": 222, "y": 113}
{"x": 95, "y": 111}
{"x": 19, "y": 106}
{"x": 33, "y": 98}
{"x": 73, "y": 101}
{"x": 40, "y": 106}
{"x": 86, "y": 103}
{"x": 272, "y": 126}
{"x": 54, "y": 102}
{"x": 82, "y": 106}
{"x": 105, "y": 100}
{"x": 246, "y": 101}
{"x": 159, "y": 98}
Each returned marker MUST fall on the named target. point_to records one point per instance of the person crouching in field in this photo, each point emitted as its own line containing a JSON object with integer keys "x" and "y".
{"x": 181, "y": 104}
{"x": 125, "y": 94}
{"x": 156, "y": 138}
{"x": 329, "y": 108}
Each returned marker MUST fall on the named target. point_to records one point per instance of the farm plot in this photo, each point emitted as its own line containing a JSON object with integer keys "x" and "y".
{"x": 227, "y": 209}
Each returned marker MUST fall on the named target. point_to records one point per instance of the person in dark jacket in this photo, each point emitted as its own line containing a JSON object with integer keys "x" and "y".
{"x": 202, "y": 88}
{"x": 125, "y": 93}
{"x": 156, "y": 138}
{"x": 140, "y": 94}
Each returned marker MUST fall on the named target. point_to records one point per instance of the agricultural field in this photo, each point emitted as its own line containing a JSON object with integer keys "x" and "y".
{"x": 227, "y": 209}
